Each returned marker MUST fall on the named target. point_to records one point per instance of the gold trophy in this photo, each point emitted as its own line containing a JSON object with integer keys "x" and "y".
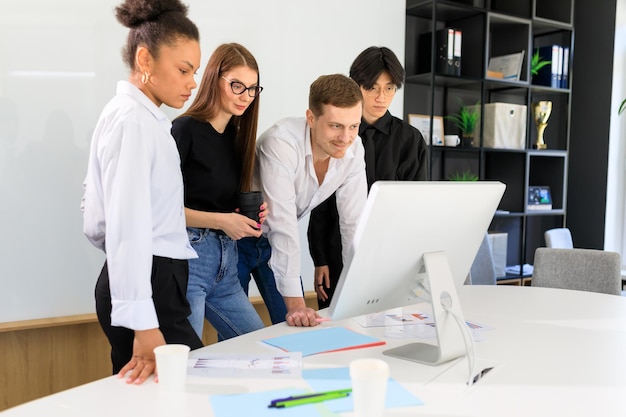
{"x": 541, "y": 112}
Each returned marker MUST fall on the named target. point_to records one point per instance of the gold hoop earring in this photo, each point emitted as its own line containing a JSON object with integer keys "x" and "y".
{"x": 145, "y": 77}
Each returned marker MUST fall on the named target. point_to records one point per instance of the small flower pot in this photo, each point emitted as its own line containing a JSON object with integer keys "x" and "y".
{"x": 467, "y": 141}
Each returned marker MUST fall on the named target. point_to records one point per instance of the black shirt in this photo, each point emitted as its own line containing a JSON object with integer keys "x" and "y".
{"x": 400, "y": 155}
{"x": 400, "y": 150}
{"x": 210, "y": 164}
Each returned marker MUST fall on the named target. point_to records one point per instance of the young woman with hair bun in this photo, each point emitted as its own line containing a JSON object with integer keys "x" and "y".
{"x": 133, "y": 191}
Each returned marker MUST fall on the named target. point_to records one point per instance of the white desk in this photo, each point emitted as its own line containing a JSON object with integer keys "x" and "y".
{"x": 559, "y": 353}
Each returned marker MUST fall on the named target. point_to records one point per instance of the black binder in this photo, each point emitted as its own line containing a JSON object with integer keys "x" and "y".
{"x": 457, "y": 51}
{"x": 445, "y": 59}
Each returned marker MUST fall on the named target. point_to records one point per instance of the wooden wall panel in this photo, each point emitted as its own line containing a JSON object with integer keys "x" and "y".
{"x": 41, "y": 357}
{"x": 38, "y": 362}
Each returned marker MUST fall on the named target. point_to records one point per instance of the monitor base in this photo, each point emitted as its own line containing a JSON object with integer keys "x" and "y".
{"x": 419, "y": 352}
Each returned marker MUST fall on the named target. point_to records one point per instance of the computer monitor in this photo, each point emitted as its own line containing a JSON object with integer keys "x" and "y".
{"x": 416, "y": 237}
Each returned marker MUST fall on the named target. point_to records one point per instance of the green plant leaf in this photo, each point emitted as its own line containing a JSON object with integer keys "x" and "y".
{"x": 622, "y": 107}
{"x": 535, "y": 69}
{"x": 537, "y": 63}
{"x": 466, "y": 119}
{"x": 463, "y": 176}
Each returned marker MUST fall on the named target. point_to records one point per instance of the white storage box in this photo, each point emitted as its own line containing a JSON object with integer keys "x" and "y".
{"x": 505, "y": 126}
{"x": 498, "y": 243}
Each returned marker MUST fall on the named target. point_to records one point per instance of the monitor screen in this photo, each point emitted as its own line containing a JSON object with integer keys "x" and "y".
{"x": 402, "y": 221}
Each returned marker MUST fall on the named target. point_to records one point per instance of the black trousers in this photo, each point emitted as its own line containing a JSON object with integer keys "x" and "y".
{"x": 169, "y": 289}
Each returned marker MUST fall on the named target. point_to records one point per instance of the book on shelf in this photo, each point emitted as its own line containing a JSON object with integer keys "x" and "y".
{"x": 494, "y": 74}
{"x": 509, "y": 65}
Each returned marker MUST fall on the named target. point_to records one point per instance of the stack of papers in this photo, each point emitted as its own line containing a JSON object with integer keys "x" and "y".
{"x": 246, "y": 366}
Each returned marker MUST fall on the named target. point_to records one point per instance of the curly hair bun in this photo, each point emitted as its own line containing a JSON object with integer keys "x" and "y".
{"x": 132, "y": 13}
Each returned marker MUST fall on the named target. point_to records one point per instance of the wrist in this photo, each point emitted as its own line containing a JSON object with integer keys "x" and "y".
{"x": 294, "y": 303}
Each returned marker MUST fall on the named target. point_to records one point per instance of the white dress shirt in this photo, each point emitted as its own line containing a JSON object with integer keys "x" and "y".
{"x": 291, "y": 188}
{"x": 133, "y": 201}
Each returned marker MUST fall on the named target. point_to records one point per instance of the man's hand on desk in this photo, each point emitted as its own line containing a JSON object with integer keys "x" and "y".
{"x": 143, "y": 363}
{"x": 298, "y": 314}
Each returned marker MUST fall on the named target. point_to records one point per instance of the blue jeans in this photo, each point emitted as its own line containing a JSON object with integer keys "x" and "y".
{"x": 254, "y": 254}
{"x": 214, "y": 290}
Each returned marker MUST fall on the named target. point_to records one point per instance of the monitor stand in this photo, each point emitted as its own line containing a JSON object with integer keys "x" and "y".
{"x": 435, "y": 275}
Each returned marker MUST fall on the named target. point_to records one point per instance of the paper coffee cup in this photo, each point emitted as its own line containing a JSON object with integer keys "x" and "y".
{"x": 171, "y": 365}
{"x": 369, "y": 386}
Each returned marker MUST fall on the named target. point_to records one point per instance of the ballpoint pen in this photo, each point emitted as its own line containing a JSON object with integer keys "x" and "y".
{"x": 319, "y": 396}
{"x": 309, "y": 400}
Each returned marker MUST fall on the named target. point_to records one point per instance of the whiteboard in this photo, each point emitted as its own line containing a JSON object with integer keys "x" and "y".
{"x": 59, "y": 64}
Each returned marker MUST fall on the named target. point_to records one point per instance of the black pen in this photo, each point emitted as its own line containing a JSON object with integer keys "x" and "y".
{"x": 481, "y": 374}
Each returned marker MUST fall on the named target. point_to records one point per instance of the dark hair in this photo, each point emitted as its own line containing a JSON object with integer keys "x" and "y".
{"x": 153, "y": 23}
{"x": 336, "y": 90}
{"x": 208, "y": 101}
{"x": 372, "y": 62}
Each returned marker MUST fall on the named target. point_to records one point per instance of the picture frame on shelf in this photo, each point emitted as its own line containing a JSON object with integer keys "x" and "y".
{"x": 422, "y": 123}
{"x": 510, "y": 66}
{"x": 539, "y": 198}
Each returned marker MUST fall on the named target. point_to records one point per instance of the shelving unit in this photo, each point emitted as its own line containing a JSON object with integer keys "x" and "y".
{"x": 493, "y": 28}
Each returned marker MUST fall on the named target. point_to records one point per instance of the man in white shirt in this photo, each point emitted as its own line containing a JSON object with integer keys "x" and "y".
{"x": 301, "y": 162}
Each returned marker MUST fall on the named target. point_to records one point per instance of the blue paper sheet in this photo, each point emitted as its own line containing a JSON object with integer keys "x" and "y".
{"x": 320, "y": 380}
{"x": 329, "y": 379}
{"x": 310, "y": 342}
{"x": 255, "y": 404}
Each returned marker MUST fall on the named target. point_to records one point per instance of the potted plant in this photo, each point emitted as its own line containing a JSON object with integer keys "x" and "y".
{"x": 537, "y": 62}
{"x": 463, "y": 176}
{"x": 466, "y": 120}
{"x": 622, "y": 107}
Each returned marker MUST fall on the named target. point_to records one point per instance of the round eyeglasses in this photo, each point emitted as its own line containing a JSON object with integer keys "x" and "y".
{"x": 387, "y": 91}
{"x": 238, "y": 88}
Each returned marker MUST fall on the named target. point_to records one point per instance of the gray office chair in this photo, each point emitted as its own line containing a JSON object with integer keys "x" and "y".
{"x": 578, "y": 269}
{"x": 483, "y": 271}
{"x": 559, "y": 238}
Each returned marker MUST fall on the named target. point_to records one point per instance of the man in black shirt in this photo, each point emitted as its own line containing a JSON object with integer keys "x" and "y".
{"x": 394, "y": 150}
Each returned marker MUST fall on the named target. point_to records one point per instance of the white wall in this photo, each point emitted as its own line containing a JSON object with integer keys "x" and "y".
{"x": 615, "y": 226}
{"x": 59, "y": 62}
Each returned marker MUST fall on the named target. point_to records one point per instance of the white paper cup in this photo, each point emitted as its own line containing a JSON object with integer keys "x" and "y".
{"x": 369, "y": 386}
{"x": 171, "y": 364}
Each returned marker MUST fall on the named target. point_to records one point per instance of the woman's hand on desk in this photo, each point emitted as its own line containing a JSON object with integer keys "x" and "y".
{"x": 143, "y": 363}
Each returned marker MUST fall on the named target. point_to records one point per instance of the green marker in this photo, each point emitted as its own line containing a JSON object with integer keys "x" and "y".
{"x": 308, "y": 395}
{"x": 310, "y": 400}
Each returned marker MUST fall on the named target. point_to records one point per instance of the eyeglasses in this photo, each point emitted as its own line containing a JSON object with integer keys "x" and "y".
{"x": 375, "y": 90}
{"x": 238, "y": 88}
